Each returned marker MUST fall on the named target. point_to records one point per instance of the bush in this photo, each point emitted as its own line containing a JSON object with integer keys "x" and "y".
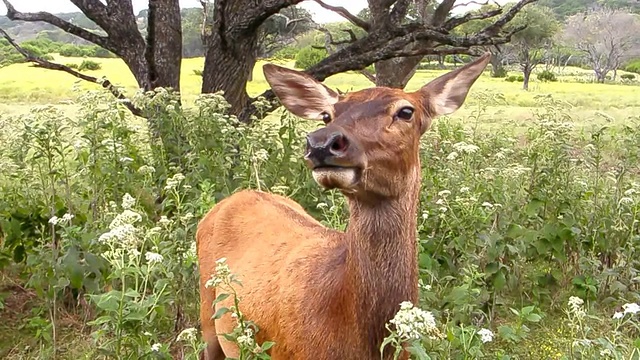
{"x": 72, "y": 65}
{"x": 514, "y": 78}
{"x": 309, "y": 56}
{"x": 89, "y": 65}
{"x": 633, "y": 67}
{"x": 73, "y": 51}
{"x": 547, "y": 75}
{"x": 286, "y": 53}
{"x": 499, "y": 73}
{"x": 627, "y": 77}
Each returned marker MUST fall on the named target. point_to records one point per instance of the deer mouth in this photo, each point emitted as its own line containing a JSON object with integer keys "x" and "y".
{"x": 337, "y": 177}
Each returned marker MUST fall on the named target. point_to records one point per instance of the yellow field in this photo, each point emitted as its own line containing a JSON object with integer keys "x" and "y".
{"x": 22, "y": 86}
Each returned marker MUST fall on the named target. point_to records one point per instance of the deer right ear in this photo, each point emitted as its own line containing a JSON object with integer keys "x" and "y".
{"x": 301, "y": 94}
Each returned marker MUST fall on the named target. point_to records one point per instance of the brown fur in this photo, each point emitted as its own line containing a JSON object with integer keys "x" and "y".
{"x": 316, "y": 292}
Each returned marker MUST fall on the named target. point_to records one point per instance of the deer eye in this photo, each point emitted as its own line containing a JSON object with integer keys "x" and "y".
{"x": 406, "y": 113}
{"x": 326, "y": 117}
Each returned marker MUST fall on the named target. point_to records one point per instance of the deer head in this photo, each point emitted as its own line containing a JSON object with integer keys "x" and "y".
{"x": 369, "y": 147}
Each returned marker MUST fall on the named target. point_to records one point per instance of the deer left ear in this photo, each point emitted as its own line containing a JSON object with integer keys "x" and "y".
{"x": 301, "y": 94}
{"x": 445, "y": 94}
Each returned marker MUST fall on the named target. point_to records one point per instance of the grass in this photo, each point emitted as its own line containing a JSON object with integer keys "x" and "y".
{"x": 22, "y": 86}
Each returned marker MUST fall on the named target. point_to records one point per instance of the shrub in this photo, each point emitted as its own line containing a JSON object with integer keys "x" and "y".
{"x": 309, "y": 56}
{"x": 286, "y": 53}
{"x": 89, "y": 65}
{"x": 514, "y": 78}
{"x": 633, "y": 67}
{"x": 627, "y": 77}
{"x": 499, "y": 73}
{"x": 547, "y": 75}
{"x": 72, "y": 65}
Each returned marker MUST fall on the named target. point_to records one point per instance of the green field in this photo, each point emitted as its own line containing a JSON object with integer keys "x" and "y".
{"x": 529, "y": 198}
{"x": 23, "y": 85}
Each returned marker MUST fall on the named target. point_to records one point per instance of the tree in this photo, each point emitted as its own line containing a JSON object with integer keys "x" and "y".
{"x": 605, "y": 37}
{"x": 529, "y": 45}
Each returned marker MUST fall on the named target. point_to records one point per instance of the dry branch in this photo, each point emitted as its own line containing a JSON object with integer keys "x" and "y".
{"x": 59, "y": 67}
{"x": 345, "y": 14}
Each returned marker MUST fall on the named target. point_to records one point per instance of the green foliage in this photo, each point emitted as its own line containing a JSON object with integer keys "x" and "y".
{"x": 286, "y": 53}
{"x": 633, "y": 67}
{"x": 514, "y": 78}
{"x": 628, "y": 77}
{"x": 547, "y": 75}
{"x": 309, "y": 56}
{"x": 89, "y": 65}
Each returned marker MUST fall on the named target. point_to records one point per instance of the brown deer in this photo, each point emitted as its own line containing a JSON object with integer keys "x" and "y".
{"x": 316, "y": 292}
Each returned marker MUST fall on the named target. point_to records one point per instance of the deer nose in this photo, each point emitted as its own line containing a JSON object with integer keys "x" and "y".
{"x": 325, "y": 148}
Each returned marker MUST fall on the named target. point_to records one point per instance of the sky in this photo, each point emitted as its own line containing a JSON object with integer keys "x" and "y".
{"x": 319, "y": 14}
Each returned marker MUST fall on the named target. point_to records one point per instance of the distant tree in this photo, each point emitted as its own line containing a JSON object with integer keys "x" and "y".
{"x": 605, "y": 37}
{"x": 531, "y": 44}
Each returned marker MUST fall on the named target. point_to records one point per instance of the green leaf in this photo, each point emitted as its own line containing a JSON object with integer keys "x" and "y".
{"x": 499, "y": 281}
{"x": 220, "y": 298}
{"x": 267, "y": 345}
{"x": 221, "y": 312}
{"x": 532, "y": 207}
{"x": 533, "y": 317}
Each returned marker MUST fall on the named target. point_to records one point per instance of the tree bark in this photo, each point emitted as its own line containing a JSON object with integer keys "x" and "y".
{"x": 231, "y": 48}
{"x": 526, "y": 72}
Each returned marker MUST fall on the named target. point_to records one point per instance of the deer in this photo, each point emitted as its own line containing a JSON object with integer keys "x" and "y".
{"x": 317, "y": 292}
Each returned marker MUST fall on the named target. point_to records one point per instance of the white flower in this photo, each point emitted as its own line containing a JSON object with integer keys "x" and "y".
{"x": 631, "y": 308}
{"x": 444, "y": 193}
{"x": 155, "y": 347}
{"x": 54, "y": 220}
{"x": 126, "y": 217}
{"x": 67, "y": 217}
{"x": 153, "y": 257}
{"x": 187, "y": 335}
{"x": 464, "y": 189}
{"x": 412, "y": 322}
{"x": 575, "y": 305}
{"x": 618, "y": 315}
{"x": 440, "y": 202}
{"x": 322, "y": 206}
{"x": 630, "y": 192}
{"x": 128, "y": 201}
{"x": 452, "y": 156}
{"x": 485, "y": 335}
{"x": 487, "y": 204}
{"x": 626, "y": 201}
{"x": 174, "y": 181}
{"x": 465, "y": 148}
{"x": 164, "y": 220}
{"x": 146, "y": 170}
{"x": 425, "y": 214}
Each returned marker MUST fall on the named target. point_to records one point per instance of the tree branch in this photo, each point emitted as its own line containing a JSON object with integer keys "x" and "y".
{"x": 102, "y": 41}
{"x": 494, "y": 28}
{"x": 106, "y": 84}
{"x": 457, "y": 21}
{"x": 255, "y": 16}
{"x": 346, "y": 14}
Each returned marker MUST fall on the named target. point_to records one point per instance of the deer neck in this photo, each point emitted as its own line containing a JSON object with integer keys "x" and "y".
{"x": 382, "y": 259}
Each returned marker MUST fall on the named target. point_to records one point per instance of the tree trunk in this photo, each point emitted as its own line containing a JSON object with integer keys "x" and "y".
{"x": 227, "y": 68}
{"x": 396, "y": 73}
{"x": 164, "y": 44}
{"x": 526, "y": 74}
{"x": 497, "y": 70}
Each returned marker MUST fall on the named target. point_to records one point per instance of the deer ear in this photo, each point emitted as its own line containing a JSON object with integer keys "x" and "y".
{"x": 445, "y": 94}
{"x": 301, "y": 94}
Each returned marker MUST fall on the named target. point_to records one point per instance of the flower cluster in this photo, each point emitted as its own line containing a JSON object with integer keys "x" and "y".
{"x": 486, "y": 335}
{"x": 222, "y": 274}
{"x": 413, "y": 323}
